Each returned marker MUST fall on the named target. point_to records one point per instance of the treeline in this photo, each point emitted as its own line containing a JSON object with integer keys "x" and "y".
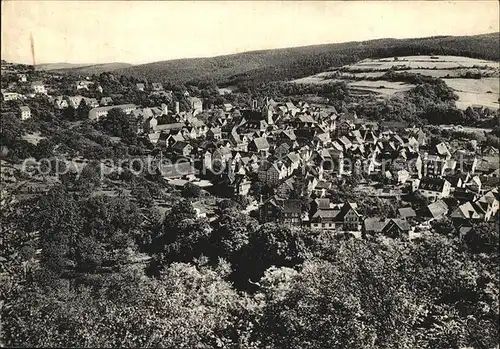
{"x": 337, "y": 90}
{"x": 97, "y": 271}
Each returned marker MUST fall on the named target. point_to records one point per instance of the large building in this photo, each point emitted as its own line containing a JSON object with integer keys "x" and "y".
{"x": 25, "y": 112}
{"x": 100, "y": 112}
{"x": 196, "y": 105}
{"x": 38, "y": 87}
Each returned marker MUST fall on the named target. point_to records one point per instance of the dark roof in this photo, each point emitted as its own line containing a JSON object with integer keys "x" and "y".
{"x": 464, "y": 194}
{"x": 180, "y": 145}
{"x": 292, "y": 206}
{"x": 251, "y": 114}
{"x": 328, "y": 214}
{"x": 378, "y": 225}
{"x": 323, "y": 203}
{"x": 172, "y": 126}
{"x": 432, "y": 184}
{"x": 374, "y": 224}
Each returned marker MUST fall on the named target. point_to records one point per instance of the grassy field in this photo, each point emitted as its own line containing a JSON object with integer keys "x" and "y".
{"x": 451, "y": 69}
{"x": 385, "y": 88}
{"x": 421, "y": 62}
{"x": 483, "y": 91}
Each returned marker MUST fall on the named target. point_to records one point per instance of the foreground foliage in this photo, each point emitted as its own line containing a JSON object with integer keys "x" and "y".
{"x": 230, "y": 283}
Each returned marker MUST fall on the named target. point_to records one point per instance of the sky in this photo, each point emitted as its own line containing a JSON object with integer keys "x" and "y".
{"x": 149, "y": 31}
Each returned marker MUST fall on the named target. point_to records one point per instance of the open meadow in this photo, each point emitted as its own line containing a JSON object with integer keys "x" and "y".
{"x": 474, "y": 80}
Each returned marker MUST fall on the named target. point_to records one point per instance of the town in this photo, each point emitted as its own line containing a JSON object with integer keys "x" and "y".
{"x": 250, "y": 174}
{"x": 288, "y": 162}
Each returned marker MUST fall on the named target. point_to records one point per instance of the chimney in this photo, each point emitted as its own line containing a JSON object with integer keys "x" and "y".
{"x": 177, "y": 108}
{"x": 164, "y": 108}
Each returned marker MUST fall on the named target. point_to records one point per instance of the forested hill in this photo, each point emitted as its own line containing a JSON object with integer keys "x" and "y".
{"x": 255, "y": 67}
{"x": 83, "y": 69}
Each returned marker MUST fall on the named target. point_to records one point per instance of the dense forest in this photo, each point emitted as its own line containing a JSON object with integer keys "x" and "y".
{"x": 250, "y": 69}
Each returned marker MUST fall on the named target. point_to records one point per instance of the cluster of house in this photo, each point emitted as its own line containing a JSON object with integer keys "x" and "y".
{"x": 294, "y": 150}
{"x": 290, "y": 152}
{"x": 99, "y": 107}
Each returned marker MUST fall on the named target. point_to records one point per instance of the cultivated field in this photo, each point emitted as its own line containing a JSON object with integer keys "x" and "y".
{"x": 421, "y": 62}
{"x": 452, "y": 69}
{"x": 484, "y": 92}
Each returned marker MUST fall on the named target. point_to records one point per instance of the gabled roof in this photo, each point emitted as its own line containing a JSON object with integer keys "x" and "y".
{"x": 292, "y": 206}
{"x": 290, "y": 134}
{"x": 348, "y": 206}
{"x": 374, "y": 224}
{"x": 306, "y": 118}
{"x": 466, "y": 211}
{"x": 345, "y": 141}
{"x": 293, "y": 157}
{"x": 438, "y": 208}
{"x": 442, "y": 149}
{"x": 223, "y": 151}
{"x": 153, "y": 137}
{"x": 407, "y": 212}
{"x": 282, "y": 147}
{"x": 195, "y": 122}
{"x": 401, "y": 223}
{"x": 289, "y": 182}
{"x": 377, "y": 225}
{"x": 489, "y": 197}
{"x": 322, "y": 203}
{"x": 180, "y": 145}
{"x": 323, "y": 137}
{"x": 260, "y": 143}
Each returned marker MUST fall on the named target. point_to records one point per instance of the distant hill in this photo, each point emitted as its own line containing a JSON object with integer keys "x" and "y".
{"x": 252, "y": 68}
{"x": 83, "y": 69}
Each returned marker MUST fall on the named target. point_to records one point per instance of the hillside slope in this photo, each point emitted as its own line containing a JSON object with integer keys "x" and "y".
{"x": 251, "y": 68}
{"x": 83, "y": 69}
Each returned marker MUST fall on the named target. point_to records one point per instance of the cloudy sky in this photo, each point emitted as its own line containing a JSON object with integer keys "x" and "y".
{"x": 140, "y": 32}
